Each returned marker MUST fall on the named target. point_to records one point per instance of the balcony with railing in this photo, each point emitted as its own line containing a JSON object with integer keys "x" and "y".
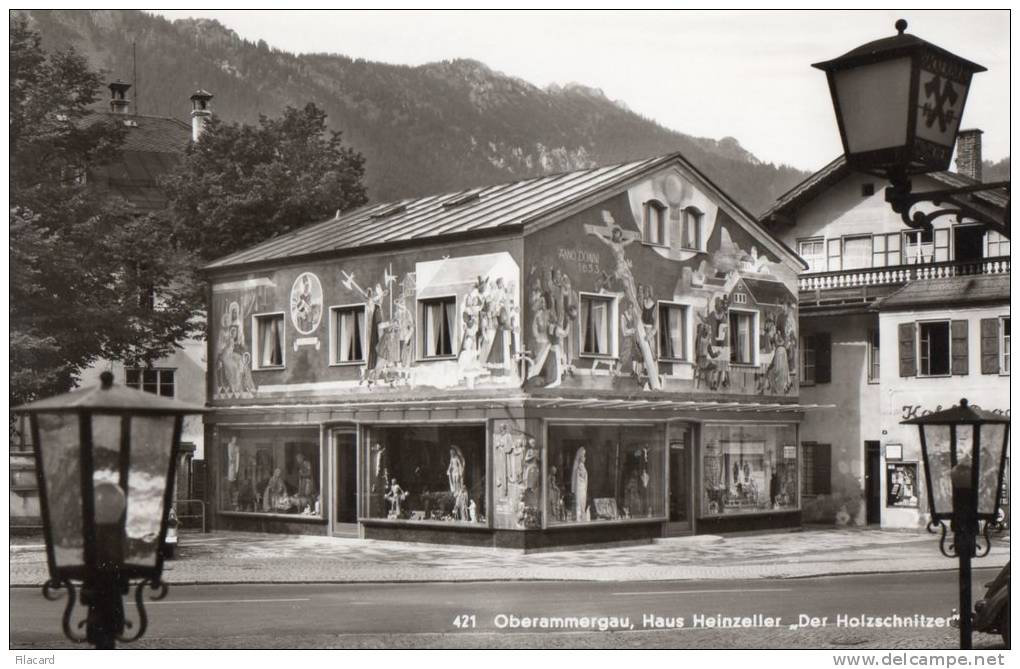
{"x": 862, "y": 286}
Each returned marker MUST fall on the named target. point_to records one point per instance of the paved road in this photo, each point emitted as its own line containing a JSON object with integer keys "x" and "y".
{"x": 479, "y": 614}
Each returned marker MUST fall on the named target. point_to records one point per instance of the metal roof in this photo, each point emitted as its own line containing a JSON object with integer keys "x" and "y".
{"x": 488, "y": 208}
{"x": 957, "y": 290}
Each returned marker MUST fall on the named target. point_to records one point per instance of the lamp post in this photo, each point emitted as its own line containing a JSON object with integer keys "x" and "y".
{"x": 105, "y": 460}
{"x": 964, "y": 451}
{"x": 898, "y": 103}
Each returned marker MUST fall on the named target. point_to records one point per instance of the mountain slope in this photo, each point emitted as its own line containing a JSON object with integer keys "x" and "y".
{"x": 436, "y": 127}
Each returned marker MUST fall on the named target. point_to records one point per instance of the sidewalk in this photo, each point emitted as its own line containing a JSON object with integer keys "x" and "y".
{"x": 235, "y": 557}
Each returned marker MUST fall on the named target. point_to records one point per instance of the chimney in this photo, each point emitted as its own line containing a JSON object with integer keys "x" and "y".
{"x": 200, "y": 112}
{"x": 968, "y": 153}
{"x": 119, "y": 101}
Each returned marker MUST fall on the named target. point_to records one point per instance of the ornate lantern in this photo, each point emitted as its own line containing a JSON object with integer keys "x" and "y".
{"x": 105, "y": 462}
{"x": 964, "y": 450}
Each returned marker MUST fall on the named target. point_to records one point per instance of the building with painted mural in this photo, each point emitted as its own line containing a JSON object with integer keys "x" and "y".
{"x": 895, "y": 322}
{"x": 601, "y": 355}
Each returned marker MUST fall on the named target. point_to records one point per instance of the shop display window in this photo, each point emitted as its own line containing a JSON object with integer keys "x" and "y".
{"x": 605, "y": 473}
{"x": 275, "y": 471}
{"x": 425, "y": 473}
{"x": 748, "y": 469}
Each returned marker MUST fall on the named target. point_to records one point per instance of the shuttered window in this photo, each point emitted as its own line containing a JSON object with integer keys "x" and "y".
{"x": 995, "y": 344}
{"x": 816, "y": 358}
{"x": 816, "y": 468}
{"x": 908, "y": 358}
{"x": 958, "y": 330}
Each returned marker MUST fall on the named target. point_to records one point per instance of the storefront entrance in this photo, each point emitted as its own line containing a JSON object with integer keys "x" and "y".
{"x": 345, "y": 482}
{"x": 680, "y": 480}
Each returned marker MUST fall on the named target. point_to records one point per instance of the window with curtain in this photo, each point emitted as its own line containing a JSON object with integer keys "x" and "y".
{"x": 813, "y": 253}
{"x": 349, "y": 333}
{"x": 918, "y": 247}
{"x": 597, "y": 325}
{"x": 857, "y": 252}
{"x": 742, "y": 337}
{"x": 672, "y": 332}
{"x": 655, "y": 222}
{"x": 437, "y": 327}
{"x": 691, "y": 232}
{"x": 269, "y": 340}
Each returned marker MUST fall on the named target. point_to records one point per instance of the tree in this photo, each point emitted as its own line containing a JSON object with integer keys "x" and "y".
{"x": 84, "y": 265}
{"x": 242, "y": 184}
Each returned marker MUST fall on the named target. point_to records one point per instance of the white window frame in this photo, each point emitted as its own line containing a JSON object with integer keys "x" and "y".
{"x": 685, "y": 310}
{"x": 949, "y": 348}
{"x": 998, "y": 241}
{"x": 334, "y": 313}
{"x": 874, "y": 359}
{"x": 614, "y": 326}
{"x": 821, "y": 259}
{"x": 1003, "y": 365}
{"x": 661, "y": 217}
{"x": 842, "y": 252}
{"x": 159, "y": 376}
{"x": 256, "y": 345}
{"x": 754, "y": 336}
{"x": 420, "y": 334}
{"x": 804, "y": 348}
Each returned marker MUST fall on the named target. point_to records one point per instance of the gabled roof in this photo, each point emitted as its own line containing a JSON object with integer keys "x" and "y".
{"x": 477, "y": 210}
{"x": 951, "y": 291}
{"x": 153, "y": 145}
{"x": 795, "y": 198}
{"x": 155, "y": 134}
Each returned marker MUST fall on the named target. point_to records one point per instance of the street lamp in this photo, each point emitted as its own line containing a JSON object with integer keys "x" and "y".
{"x": 964, "y": 451}
{"x": 898, "y": 103}
{"x": 105, "y": 460}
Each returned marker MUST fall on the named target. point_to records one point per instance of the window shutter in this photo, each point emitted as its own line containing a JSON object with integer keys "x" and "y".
{"x": 908, "y": 356}
{"x": 823, "y": 357}
{"x": 958, "y": 347}
{"x": 989, "y": 345}
{"x": 822, "y": 469}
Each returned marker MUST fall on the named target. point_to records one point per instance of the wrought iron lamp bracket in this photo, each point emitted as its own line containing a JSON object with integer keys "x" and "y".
{"x": 902, "y": 199}
{"x": 106, "y": 609}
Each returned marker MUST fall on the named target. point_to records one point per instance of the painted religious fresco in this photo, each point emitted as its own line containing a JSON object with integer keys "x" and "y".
{"x": 659, "y": 289}
{"x": 399, "y": 323}
{"x": 517, "y": 474}
{"x": 234, "y": 303}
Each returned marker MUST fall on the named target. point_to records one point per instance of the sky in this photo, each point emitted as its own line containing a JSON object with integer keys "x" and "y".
{"x": 745, "y": 74}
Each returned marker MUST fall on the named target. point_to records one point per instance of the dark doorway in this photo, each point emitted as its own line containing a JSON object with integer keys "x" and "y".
{"x": 968, "y": 242}
{"x": 873, "y": 481}
{"x": 346, "y": 490}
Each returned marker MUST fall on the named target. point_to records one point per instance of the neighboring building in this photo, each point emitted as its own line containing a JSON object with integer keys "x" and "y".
{"x": 153, "y": 145}
{"x": 894, "y": 321}
{"x": 600, "y": 355}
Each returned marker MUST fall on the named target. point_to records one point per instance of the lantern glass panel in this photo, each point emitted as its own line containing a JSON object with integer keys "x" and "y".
{"x": 993, "y": 437}
{"x": 939, "y": 107}
{"x": 936, "y": 439}
{"x": 60, "y": 449}
{"x": 874, "y": 102}
{"x": 151, "y": 448}
{"x": 105, "y": 449}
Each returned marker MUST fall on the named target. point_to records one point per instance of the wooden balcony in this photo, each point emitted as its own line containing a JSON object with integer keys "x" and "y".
{"x": 854, "y": 289}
